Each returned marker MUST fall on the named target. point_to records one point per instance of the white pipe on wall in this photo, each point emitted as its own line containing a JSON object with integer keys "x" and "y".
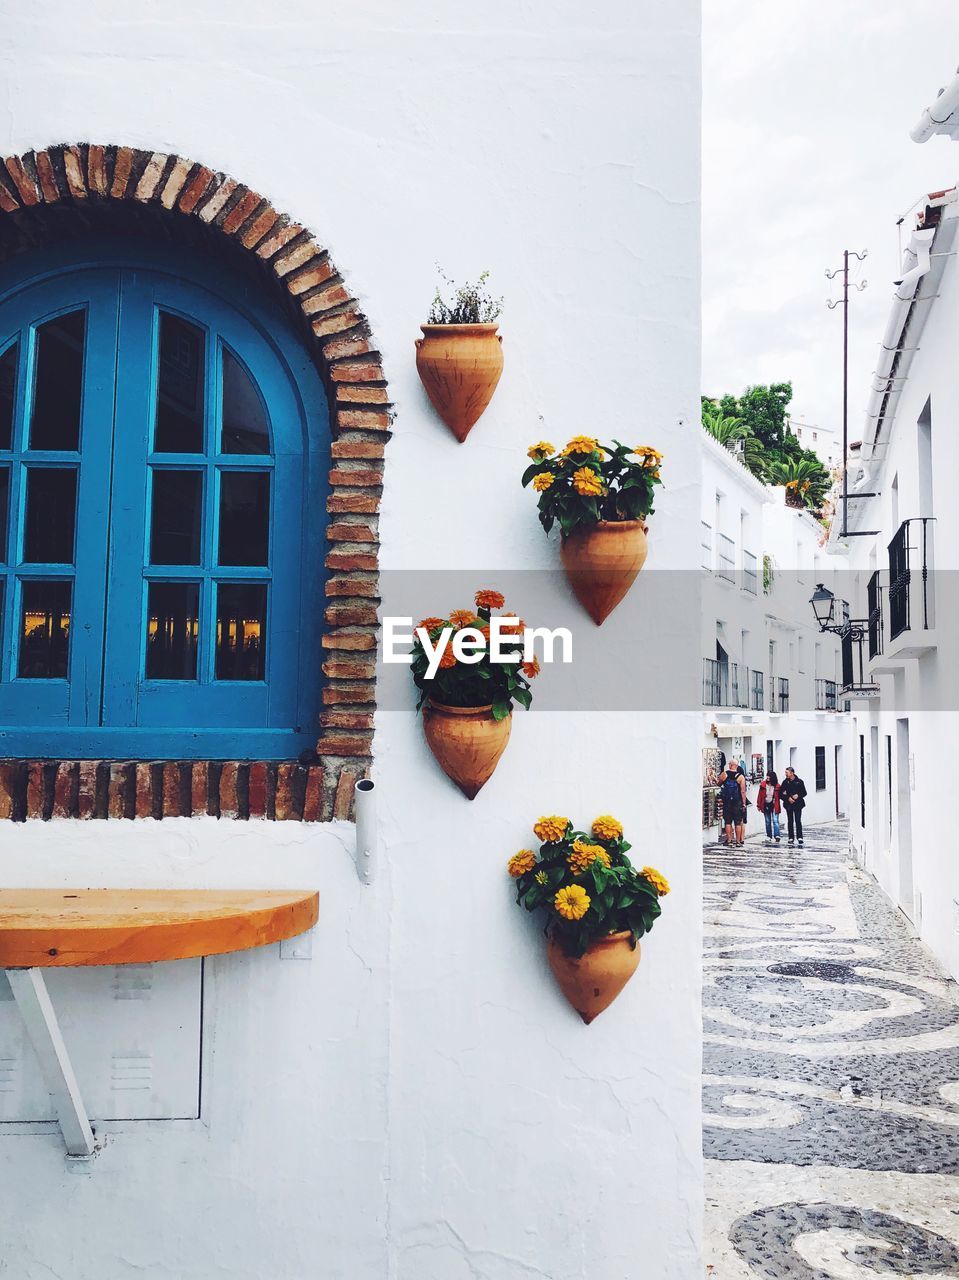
{"x": 366, "y": 835}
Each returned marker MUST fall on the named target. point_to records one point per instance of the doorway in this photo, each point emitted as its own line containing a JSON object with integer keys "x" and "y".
{"x": 903, "y": 806}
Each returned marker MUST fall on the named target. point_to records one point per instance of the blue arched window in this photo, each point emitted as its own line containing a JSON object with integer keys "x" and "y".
{"x": 163, "y": 453}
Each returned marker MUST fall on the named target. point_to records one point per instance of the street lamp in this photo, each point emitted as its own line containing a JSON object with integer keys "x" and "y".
{"x": 824, "y": 607}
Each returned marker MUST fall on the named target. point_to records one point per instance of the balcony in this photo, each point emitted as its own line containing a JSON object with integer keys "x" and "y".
{"x": 779, "y": 695}
{"x": 756, "y": 691}
{"x": 725, "y": 684}
{"x": 874, "y": 615}
{"x": 750, "y": 573}
{"x": 826, "y": 695}
{"x": 909, "y": 612}
{"x": 725, "y": 558}
{"x": 856, "y": 669}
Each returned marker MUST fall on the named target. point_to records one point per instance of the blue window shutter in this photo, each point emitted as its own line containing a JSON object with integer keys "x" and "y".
{"x": 109, "y": 705}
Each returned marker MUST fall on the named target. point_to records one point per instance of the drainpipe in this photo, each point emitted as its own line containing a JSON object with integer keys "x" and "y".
{"x": 364, "y": 802}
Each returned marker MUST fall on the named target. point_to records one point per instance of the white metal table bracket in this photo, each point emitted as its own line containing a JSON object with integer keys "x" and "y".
{"x": 40, "y": 1019}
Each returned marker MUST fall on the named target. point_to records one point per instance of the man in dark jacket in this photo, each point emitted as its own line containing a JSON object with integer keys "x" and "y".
{"x": 792, "y": 794}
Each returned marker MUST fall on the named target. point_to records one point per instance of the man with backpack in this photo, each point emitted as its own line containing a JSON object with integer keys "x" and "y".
{"x": 792, "y": 794}
{"x": 732, "y": 796}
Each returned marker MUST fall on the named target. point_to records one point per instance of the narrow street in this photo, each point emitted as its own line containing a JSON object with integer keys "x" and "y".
{"x": 831, "y": 1074}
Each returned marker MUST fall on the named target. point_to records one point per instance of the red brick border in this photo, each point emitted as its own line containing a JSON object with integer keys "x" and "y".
{"x": 298, "y": 269}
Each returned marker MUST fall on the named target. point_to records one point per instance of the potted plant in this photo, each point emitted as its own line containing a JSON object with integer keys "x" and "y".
{"x": 467, "y": 706}
{"x": 460, "y": 356}
{"x": 600, "y": 496}
{"x": 597, "y": 907}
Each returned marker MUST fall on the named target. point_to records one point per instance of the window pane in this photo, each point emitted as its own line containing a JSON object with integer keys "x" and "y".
{"x": 172, "y": 624}
{"x": 8, "y": 390}
{"x": 244, "y": 517}
{"x": 179, "y": 426}
{"x": 58, "y": 383}
{"x": 45, "y": 630}
{"x": 245, "y": 428}
{"x": 51, "y": 515}
{"x": 240, "y": 630}
{"x": 177, "y": 517}
{"x": 4, "y": 504}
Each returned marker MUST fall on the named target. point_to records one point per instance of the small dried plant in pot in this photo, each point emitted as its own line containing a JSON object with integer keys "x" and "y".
{"x": 467, "y": 704}
{"x": 600, "y": 496}
{"x": 597, "y": 906}
{"x": 460, "y": 356}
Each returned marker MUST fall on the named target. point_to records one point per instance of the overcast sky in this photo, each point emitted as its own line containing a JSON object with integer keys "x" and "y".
{"x": 807, "y": 110}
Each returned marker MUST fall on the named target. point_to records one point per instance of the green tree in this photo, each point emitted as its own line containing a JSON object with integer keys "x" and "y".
{"x": 729, "y": 431}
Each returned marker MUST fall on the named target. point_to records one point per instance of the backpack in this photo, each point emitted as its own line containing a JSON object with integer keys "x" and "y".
{"x": 729, "y": 791}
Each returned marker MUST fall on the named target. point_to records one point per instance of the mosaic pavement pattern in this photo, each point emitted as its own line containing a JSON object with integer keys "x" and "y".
{"x": 831, "y": 1074}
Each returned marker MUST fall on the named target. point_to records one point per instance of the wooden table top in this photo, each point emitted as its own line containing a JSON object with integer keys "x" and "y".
{"x": 43, "y": 928}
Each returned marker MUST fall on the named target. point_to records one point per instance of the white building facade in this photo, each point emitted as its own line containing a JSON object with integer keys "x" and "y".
{"x": 899, "y": 580}
{"x": 406, "y": 1094}
{"x": 770, "y": 677}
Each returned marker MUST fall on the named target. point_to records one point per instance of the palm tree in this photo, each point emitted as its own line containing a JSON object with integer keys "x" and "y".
{"x": 729, "y": 431}
{"x": 806, "y": 481}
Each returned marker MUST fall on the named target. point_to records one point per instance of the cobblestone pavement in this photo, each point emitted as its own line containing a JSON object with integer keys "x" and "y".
{"x": 831, "y": 1085}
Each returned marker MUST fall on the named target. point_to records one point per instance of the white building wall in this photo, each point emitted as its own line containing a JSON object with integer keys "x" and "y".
{"x": 417, "y": 1101}
{"x": 906, "y": 841}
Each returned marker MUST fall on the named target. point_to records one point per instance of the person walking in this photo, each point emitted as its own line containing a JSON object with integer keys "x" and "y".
{"x": 770, "y": 805}
{"x": 792, "y": 793}
{"x": 732, "y": 794}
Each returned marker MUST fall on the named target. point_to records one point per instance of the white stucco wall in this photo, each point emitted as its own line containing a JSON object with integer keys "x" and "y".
{"x": 417, "y": 1101}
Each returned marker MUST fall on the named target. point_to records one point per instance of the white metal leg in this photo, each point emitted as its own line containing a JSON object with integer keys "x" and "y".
{"x": 33, "y": 1001}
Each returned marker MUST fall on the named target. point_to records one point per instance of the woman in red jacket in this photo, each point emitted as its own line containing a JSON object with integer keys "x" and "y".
{"x": 768, "y": 802}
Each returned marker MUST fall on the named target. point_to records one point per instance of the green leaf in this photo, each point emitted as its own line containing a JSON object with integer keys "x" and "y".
{"x": 501, "y": 708}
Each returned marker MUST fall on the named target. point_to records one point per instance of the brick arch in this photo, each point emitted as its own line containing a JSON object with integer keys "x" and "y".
{"x": 64, "y": 191}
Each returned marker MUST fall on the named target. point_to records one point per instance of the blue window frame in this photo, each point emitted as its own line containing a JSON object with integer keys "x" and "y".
{"x": 164, "y": 447}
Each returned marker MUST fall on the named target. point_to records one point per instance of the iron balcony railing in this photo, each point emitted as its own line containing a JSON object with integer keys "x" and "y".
{"x": 874, "y": 615}
{"x": 853, "y": 648}
{"x": 779, "y": 694}
{"x": 826, "y": 695}
{"x": 909, "y": 556}
{"x": 756, "y": 690}
{"x": 750, "y": 573}
{"x": 725, "y": 557}
{"x": 725, "y": 684}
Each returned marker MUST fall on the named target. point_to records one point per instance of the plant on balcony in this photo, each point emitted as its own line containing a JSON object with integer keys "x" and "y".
{"x": 600, "y": 496}
{"x": 597, "y": 906}
{"x": 460, "y": 356}
{"x": 803, "y": 481}
{"x": 467, "y": 706}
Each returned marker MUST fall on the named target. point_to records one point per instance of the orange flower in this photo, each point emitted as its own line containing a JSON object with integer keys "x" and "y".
{"x": 511, "y": 626}
{"x": 489, "y": 600}
{"x": 530, "y": 669}
{"x": 521, "y": 862}
{"x": 542, "y": 449}
{"x": 432, "y": 623}
{"x": 448, "y": 659}
{"x": 462, "y": 617}
{"x": 587, "y": 483}
{"x": 543, "y": 481}
{"x": 484, "y": 632}
{"x": 550, "y": 829}
{"x": 581, "y": 444}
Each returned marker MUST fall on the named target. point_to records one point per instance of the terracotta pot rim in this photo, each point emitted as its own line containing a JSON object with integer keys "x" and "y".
{"x": 607, "y": 525}
{"x": 461, "y": 711}
{"x": 621, "y": 936}
{"x": 466, "y": 329}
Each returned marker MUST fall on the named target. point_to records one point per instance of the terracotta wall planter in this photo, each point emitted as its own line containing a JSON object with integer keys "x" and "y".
{"x": 602, "y": 561}
{"x": 467, "y": 742}
{"x": 593, "y": 981}
{"x": 459, "y": 365}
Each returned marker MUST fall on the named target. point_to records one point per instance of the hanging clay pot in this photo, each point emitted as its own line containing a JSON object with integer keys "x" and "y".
{"x": 601, "y": 561}
{"x": 467, "y": 742}
{"x": 592, "y": 982}
{"x": 459, "y": 365}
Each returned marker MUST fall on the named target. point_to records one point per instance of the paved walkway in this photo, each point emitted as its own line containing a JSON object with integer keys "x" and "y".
{"x": 831, "y": 1074}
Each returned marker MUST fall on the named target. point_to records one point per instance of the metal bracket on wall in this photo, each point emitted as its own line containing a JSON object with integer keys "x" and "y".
{"x": 40, "y": 1019}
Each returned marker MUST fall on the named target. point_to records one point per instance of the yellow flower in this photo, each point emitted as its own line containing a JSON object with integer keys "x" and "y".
{"x": 542, "y": 449}
{"x": 541, "y": 877}
{"x": 572, "y": 903}
{"x": 521, "y": 862}
{"x": 489, "y": 600}
{"x": 649, "y": 457}
{"x": 607, "y": 828}
{"x": 551, "y": 829}
{"x": 462, "y": 617}
{"x": 657, "y": 880}
{"x": 543, "y": 481}
{"x": 584, "y": 855}
{"x": 587, "y": 483}
{"x": 581, "y": 444}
